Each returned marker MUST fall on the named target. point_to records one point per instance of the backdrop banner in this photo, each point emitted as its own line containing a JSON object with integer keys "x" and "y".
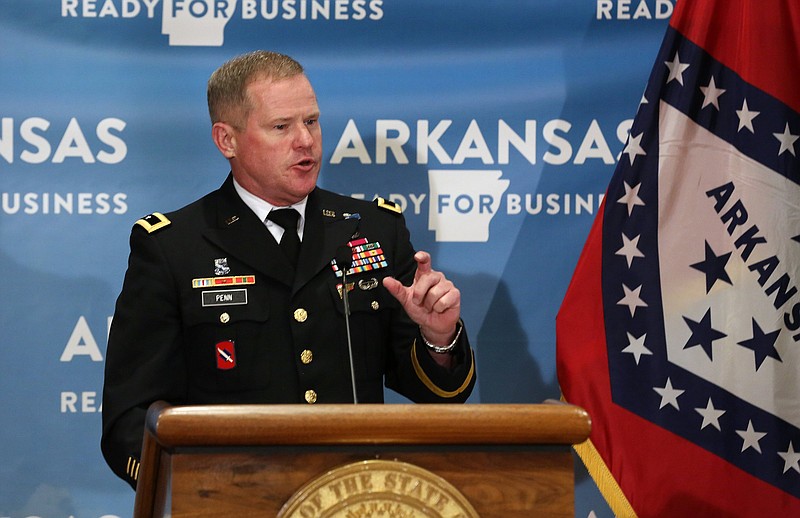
{"x": 496, "y": 125}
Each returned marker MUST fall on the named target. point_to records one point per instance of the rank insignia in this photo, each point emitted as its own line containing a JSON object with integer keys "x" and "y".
{"x": 226, "y": 355}
{"x": 221, "y": 266}
{"x": 391, "y": 206}
{"x": 153, "y": 222}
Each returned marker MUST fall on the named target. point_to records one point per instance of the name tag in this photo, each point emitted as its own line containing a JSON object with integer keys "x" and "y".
{"x": 224, "y": 298}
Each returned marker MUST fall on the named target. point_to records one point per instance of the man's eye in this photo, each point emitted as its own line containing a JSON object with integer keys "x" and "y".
{"x": 280, "y": 126}
{"x": 311, "y": 122}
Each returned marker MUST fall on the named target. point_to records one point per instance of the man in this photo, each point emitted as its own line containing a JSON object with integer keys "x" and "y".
{"x": 215, "y": 308}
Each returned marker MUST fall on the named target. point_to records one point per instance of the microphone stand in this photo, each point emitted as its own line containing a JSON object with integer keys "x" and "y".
{"x": 344, "y": 265}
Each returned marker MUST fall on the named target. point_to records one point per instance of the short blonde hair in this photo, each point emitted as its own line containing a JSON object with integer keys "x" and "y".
{"x": 227, "y": 86}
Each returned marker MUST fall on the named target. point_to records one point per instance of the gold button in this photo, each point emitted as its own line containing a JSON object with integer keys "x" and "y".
{"x": 300, "y": 314}
{"x": 311, "y": 397}
{"x": 224, "y": 318}
{"x": 306, "y": 357}
{"x": 375, "y": 305}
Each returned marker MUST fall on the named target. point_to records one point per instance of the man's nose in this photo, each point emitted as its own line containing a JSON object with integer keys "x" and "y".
{"x": 303, "y": 136}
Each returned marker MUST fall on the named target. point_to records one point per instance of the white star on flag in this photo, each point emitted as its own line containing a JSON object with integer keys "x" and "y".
{"x": 750, "y": 437}
{"x": 632, "y": 299}
{"x": 711, "y": 94}
{"x": 631, "y": 197}
{"x": 746, "y": 117}
{"x": 634, "y": 147}
{"x": 787, "y": 140}
{"x": 790, "y": 458}
{"x": 636, "y": 347}
{"x": 710, "y": 415}
{"x": 669, "y": 395}
{"x": 630, "y": 249}
{"x": 676, "y": 69}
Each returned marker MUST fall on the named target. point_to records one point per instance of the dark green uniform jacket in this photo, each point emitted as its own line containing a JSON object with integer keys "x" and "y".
{"x": 212, "y": 312}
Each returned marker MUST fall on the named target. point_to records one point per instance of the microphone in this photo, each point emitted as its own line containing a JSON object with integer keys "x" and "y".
{"x": 344, "y": 260}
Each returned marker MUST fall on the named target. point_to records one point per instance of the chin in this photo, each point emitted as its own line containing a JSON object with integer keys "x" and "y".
{"x": 308, "y": 183}
{"x": 302, "y": 191}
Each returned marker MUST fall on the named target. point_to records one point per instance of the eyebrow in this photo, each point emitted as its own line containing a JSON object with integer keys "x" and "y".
{"x": 279, "y": 120}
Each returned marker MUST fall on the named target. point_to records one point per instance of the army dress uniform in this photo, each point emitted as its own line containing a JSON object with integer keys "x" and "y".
{"x": 211, "y": 311}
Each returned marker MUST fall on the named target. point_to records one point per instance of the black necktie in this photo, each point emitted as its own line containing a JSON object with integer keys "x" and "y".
{"x": 290, "y": 242}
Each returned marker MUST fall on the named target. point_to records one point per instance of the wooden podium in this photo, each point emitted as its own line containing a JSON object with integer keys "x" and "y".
{"x": 335, "y": 460}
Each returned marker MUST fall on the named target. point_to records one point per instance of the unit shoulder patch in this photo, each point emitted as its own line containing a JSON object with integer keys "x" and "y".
{"x": 153, "y": 222}
{"x": 390, "y": 206}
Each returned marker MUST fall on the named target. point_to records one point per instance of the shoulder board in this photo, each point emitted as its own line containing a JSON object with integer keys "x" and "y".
{"x": 385, "y": 204}
{"x": 153, "y": 222}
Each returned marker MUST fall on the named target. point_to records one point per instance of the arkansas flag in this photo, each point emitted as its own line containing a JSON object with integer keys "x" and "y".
{"x": 680, "y": 330}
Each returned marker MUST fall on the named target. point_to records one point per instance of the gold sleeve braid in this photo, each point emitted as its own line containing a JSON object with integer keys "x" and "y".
{"x": 431, "y": 385}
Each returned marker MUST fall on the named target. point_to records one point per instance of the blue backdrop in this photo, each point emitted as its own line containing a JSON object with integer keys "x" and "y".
{"x": 496, "y": 124}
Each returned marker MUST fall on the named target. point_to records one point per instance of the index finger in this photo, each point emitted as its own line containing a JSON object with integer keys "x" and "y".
{"x": 423, "y": 262}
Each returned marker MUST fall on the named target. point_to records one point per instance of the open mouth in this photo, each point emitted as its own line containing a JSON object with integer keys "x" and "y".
{"x": 306, "y": 163}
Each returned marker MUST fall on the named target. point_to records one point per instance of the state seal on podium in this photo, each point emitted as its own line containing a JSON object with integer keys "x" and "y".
{"x": 378, "y": 488}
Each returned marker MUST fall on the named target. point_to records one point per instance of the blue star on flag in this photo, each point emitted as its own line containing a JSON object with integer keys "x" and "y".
{"x": 762, "y": 344}
{"x": 702, "y": 333}
{"x": 714, "y": 267}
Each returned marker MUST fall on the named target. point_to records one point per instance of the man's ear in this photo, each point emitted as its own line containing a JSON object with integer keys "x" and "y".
{"x": 224, "y": 138}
